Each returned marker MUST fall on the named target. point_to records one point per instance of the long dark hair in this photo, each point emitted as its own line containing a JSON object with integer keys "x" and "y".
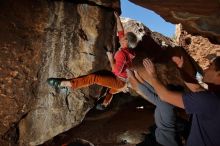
{"x": 216, "y": 62}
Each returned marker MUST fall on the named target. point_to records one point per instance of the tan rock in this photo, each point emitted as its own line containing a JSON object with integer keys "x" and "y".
{"x": 200, "y": 48}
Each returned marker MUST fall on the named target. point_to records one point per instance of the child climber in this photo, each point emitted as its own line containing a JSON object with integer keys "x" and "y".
{"x": 115, "y": 80}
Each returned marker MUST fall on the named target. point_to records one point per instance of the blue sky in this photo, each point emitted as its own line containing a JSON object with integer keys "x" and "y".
{"x": 147, "y": 17}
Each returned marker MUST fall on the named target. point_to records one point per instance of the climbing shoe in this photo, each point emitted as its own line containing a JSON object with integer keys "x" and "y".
{"x": 54, "y": 82}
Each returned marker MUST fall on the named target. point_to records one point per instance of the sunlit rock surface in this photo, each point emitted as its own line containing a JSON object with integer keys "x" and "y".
{"x": 200, "y": 48}
{"x": 196, "y": 16}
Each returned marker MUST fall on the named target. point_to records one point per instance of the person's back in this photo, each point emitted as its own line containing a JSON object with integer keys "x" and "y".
{"x": 205, "y": 109}
{"x": 204, "y": 106}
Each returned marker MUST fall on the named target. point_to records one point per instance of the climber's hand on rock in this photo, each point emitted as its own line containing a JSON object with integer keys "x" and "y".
{"x": 116, "y": 14}
{"x": 110, "y": 56}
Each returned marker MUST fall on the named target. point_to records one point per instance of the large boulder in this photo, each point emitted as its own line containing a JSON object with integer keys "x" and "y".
{"x": 41, "y": 39}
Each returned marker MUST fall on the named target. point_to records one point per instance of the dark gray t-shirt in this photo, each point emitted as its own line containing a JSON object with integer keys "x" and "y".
{"x": 205, "y": 109}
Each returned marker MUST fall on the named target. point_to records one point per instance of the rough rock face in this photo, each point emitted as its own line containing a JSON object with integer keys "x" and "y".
{"x": 197, "y": 17}
{"x": 41, "y": 39}
{"x": 21, "y": 39}
{"x": 200, "y": 48}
